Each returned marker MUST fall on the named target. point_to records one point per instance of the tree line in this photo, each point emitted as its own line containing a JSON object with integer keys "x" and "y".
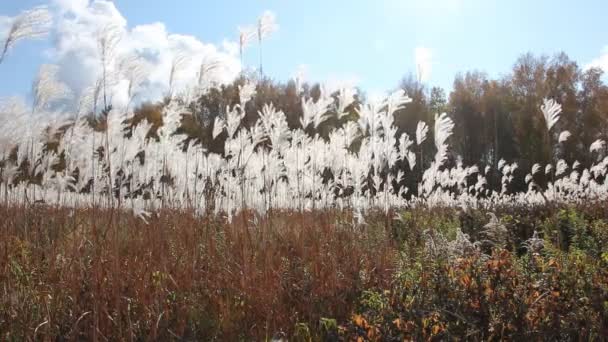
{"x": 496, "y": 118}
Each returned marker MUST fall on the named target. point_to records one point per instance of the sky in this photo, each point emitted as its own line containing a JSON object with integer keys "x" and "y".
{"x": 371, "y": 44}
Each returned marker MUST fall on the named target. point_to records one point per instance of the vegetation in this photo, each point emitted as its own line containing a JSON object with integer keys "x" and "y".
{"x": 94, "y": 274}
{"x": 256, "y": 210}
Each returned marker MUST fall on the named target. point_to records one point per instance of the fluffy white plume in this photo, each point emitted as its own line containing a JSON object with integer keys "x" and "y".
{"x": 422, "y": 130}
{"x": 561, "y": 168}
{"x": 346, "y": 97}
{"x": 218, "y": 127}
{"x": 246, "y": 36}
{"x": 47, "y": 89}
{"x": 267, "y": 24}
{"x": 563, "y": 136}
{"x": 179, "y": 62}
{"x": 443, "y": 130}
{"x": 134, "y": 70}
{"x": 315, "y": 112}
{"x": 246, "y": 92}
{"x": 30, "y": 24}
{"x": 551, "y": 111}
{"x": 396, "y": 100}
{"x": 501, "y": 164}
{"x": 597, "y": 145}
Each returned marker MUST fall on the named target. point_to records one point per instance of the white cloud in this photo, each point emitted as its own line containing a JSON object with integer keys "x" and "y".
{"x": 423, "y": 57}
{"x": 77, "y": 28}
{"x": 600, "y": 62}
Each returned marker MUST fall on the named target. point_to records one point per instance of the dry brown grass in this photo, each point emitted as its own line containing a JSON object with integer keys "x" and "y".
{"x": 104, "y": 275}
{"x": 100, "y": 275}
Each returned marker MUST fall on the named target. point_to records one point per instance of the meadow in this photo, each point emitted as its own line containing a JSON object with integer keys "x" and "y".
{"x": 96, "y": 274}
{"x": 257, "y": 211}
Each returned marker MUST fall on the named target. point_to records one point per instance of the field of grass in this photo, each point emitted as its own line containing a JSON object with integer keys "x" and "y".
{"x": 174, "y": 193}
{"x": 421, "y": 274}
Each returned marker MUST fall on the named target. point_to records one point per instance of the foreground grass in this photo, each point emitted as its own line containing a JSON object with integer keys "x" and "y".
{"x": 104, "y": 275}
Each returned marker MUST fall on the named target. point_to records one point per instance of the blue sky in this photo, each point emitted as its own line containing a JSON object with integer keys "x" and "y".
{"x": 371, "y": 42}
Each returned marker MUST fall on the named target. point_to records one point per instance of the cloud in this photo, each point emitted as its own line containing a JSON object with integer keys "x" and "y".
{"x": 423, "y": 57}
{"x": 78, "y": 26}
{"x": 600, "y": 62}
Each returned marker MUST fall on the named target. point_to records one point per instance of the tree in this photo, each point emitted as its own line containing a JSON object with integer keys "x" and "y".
{"x": 471, "y": 133}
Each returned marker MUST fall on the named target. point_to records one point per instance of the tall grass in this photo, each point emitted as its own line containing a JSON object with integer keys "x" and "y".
{"x": 96, "y": 275}
{"x": 93, "y": 155}
{"x": 115, "y": 228}
{"x": 265, "y": 166}
{"x": 181, "y": 275}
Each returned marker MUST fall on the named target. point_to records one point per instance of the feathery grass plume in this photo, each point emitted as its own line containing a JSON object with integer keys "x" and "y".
{"x": 443, "y": 130}
{"x": 561, "y": 167}
{"x": 179, "y": 62}
{"x": 275, "y": 127}
{"x": 551, "y": 111}
{"x": 14, "y": 119}
{"x": 246, "y": 92}
{"x": 535, "y": 168}
{"x": 432, "y": 177}
{"x": 422, "y": 130}
{"x": 357, "y": 167}
{"x": 396, "y": 101}
{"x": 218, "y": 127}
{"x": 597, "y": 146}
{"x": 501, "y": 164}
{"x": 267, "y": 24}
{"x": 30, "y": 24}
{"x": 47, "y": 88}
{"x": 369, "y": 118}
{"x": 233, "y": 120}
{"x": 346, "y": 96}
{"x": 135, "y": 70}
{"x": 209, "y": 65}
{"x": 404, "y": 146}
{"x": 246, "y": 36}
{"x": 315, "y": 112}
{"x": 563, "y": 136}
{"x": 108, "y": 38}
